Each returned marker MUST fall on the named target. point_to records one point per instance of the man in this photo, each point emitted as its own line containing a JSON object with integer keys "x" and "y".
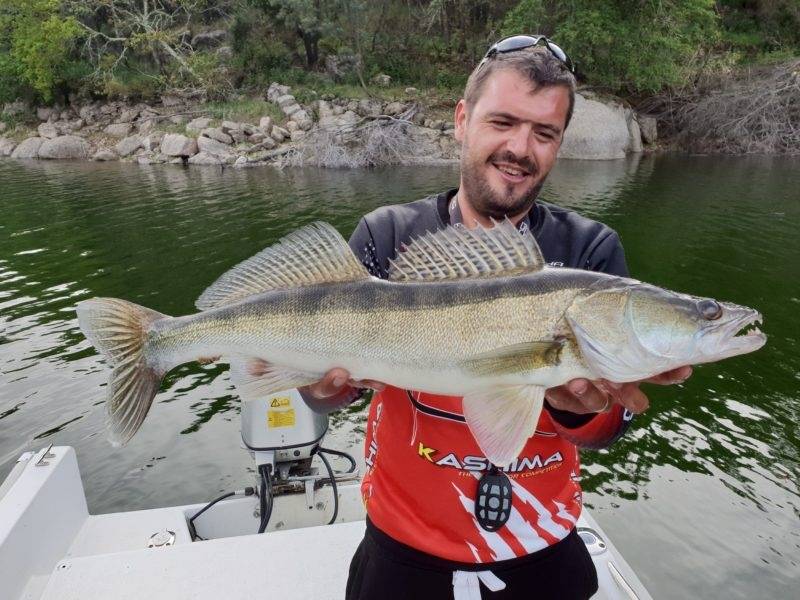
{"x": 423, "y": 539}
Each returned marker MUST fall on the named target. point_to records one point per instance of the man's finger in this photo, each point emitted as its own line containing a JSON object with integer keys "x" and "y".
{"x": 578, "y": 396}
{"x": 672, "y": 377}
{"x": 331, "y": 384}
{"x": 632, "y": 398}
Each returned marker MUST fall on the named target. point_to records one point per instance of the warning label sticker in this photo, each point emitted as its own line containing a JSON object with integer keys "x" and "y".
{"x": 280, "y": 402}
{"x": 280, "y": 418}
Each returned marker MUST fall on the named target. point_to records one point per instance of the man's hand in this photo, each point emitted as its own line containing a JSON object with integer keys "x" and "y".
{"x": 582, "y": 396}
{"x": 336, "y": 383}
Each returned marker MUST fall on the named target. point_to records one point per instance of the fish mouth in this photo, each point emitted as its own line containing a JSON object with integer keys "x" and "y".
{"x": 739, "y": 334}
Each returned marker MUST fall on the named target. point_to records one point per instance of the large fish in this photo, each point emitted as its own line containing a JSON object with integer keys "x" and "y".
{"x": 473, "y": 313}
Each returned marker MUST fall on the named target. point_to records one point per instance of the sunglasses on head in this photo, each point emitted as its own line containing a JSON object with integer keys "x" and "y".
{"x": 520, "y": 42}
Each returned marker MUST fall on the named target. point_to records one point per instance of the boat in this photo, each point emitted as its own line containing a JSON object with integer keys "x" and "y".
{"x": 311, "y": 521}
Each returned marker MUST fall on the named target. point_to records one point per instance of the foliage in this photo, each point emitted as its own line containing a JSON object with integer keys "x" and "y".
{"x": 637, "y": 47}
{"x": 35, "y": 43}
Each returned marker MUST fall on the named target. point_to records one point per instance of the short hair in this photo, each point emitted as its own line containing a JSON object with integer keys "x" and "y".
{"x": 536, "y": 63}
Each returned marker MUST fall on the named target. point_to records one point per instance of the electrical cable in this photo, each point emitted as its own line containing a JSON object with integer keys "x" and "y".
{"x": 352, "y": 460}
{"x": 266, "y": 494}
{"x": 248, "y": 491}
{"x": 332, "y": 479}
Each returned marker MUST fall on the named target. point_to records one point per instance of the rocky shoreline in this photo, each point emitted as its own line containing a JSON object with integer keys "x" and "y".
{"x": 356, "y": 132}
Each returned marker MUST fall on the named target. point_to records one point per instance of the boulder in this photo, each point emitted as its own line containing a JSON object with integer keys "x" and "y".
{"x": 297, "y": 135}
{"x": 291, "y": 126}
{"x": 394, "y": 108}
{"x": 204, "y": 158}
{"x": 339, "y": 66}
{"x": 279, "y": 133}
{"x": 89, "y": 113}
{"x": 240, "y": 162}
{"x": 129, "y": 145}
{"x": 266, "y": 144}
{"x": 634, "y": 132}
{"x": 43, "y": 113}
{"x": 47, "y": 131}
{"x": 128, "y": 115}
{"x": 104, "y": 155}
{"x": 119, "y": 130}
{"x": 152, "y": 142}
{"x": 291, "y": 109}
{"x": 649, "y": 129}
{"x": 598, "y": 131}
{"x": 248, "y": 128}
{"x": 257, "y": 137}
{"x": 3, "y": 126}
{"x": 228, "y": 126}
{"x": 265, "y": 125}
{"x": 215, "y": 133}
{"x": 276, "y": 90}
{"x": 28, "y": 148}
{"x": 209, "y": 39}
{"x": 175, "y": 144}
{"x": 369, "y": 108}
{"x": 212, "y": 146}
{"x": 303, "y": 120}
{"x": 195, "y": 126}
{"x": 238, "y": 136}
{"x": 382, "y": 79}
{"x": 145, "y": 126}
{"x": 65, "y": 146}
{"x": 171, "y": 100}
{"x": 7, "y": 146}
{"x": 285, "y": 100}
{"x": 411, "y": 91}
{"x": 177, "y": 119}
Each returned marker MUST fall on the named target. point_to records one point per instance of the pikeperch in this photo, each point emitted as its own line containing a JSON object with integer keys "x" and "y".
{"x": 473, "y": 313}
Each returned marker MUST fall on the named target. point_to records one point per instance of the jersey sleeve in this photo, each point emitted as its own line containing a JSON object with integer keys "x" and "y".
{"x": 362, "y": 243}
{"x": 597, "y": 430}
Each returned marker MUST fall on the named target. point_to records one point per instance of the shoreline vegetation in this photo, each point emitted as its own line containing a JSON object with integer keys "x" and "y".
{"x": 349, "y": 83}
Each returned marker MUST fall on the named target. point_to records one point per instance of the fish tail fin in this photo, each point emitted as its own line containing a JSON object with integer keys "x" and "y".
{"x": 118, "y": 330}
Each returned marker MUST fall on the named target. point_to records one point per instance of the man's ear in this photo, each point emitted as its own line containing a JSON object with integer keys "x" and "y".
{"x": 460, "y": 119}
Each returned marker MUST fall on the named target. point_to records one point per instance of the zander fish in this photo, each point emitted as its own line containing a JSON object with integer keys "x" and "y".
{"x": 474, "y": 313}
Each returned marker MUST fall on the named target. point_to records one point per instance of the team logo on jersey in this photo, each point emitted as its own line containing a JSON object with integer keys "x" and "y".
{"x": 481, "y": 463}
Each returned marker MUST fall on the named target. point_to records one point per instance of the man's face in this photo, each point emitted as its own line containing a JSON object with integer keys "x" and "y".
{"x": 509, "y": 141}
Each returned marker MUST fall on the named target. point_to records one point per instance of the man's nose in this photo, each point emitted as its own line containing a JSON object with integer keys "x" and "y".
{"x": 518, "y": 142}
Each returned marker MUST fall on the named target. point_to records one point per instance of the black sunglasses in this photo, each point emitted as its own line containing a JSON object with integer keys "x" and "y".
{"x": 520, "y": 42}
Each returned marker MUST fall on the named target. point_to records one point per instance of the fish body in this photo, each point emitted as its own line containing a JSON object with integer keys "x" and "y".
{"x": 465, "y": 313}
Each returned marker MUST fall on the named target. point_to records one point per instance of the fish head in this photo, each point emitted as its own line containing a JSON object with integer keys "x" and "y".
{"x": 634, "y": 330}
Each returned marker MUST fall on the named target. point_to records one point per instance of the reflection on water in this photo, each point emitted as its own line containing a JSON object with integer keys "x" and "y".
{"x": 703, "y": 487}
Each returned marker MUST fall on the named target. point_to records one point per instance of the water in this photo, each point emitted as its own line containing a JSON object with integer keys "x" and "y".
{"x": 701, "y": 495}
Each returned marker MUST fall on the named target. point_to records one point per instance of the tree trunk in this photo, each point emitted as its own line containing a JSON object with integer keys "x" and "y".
{"x": 310, "y": 42}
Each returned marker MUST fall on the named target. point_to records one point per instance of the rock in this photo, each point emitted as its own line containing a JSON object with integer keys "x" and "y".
{"x": 129, "y": 145}
{"x": 411, "y": 91}
{"x": 48, "y": 131}
{"x": 6, "y": 146}
{"x": 634, "y": 132}
{"x": 152, "y": 142}
{"x": 257, "y": 138}
{"x": 291, "y": 109}
{"x": 175, "y": 144}
{"x": 279, "y": 133}
{"x": 128, "y": 115}
{"x": 178, "y": 161}
{"x": 266, "y": 144}
{"x": 209, "y": 39}
{"x": 65, "y": 146}
{"x": 145, "y": 126}
{"x": 119, "y": 130}
{"x": 178, "y": 119}
{"x": 238, "y": 136}
{"x": 170, "y": 100}
{"x": 28, "y": 148}
{"x": 339, "y": 66}
{"x": 338, "y": 110}
{"x": 597, "y": 131}
{"x": 104, "y": 155}
{"x": 197, "y": 125}
{"x": 224, "y": 53}
{"x": 240, "y": 162}
{"x": 394, "y": 108}
{"x": 303, "y": 120}
{"x": 436, "y": 124}
{"x": 265, "y": 124}
{"x": 3, "y": 126}
{"x": 215, "y": 133}
{"x": 276, "y": 90}
{"x": 203, "y": 158}
{"x": 89, "y": 113}
{"x": 43, "y": 113}
{"x": 292, "y": 126}
{"x": 382, "y": 79}
{"x": 144, "y": 160}
{"x": 212, "y": 146}
{"x": 369, "y": 108}
{"x": 297, "y": 135}
{"x": 649, "y": 129}
{"x": 17, "y": 108}
{"x": 285, "y": 100}
{"x": 228, "y": 126}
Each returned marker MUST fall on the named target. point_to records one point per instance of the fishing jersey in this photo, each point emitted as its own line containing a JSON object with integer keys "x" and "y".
{"x": 423, "y": 463}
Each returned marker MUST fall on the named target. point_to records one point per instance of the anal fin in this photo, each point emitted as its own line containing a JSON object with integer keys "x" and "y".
{"x": 503, "y": 418}
{"x": 256, "y": 378}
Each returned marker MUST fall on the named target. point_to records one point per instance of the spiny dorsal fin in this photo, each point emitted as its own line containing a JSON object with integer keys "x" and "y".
{"x": 316, "y": 253}
{"x": 457, "y": 252}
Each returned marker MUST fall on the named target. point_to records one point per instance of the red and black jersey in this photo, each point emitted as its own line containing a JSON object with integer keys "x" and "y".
{"x": 423, "y": 463}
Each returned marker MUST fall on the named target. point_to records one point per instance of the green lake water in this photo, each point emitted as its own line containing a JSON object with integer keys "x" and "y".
{"x": 701, "y": 495}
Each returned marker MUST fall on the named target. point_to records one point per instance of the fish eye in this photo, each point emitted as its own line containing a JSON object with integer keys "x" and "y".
{"x": 709, "y": 309}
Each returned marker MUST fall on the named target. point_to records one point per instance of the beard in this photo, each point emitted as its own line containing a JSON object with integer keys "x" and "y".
{"x": 491, "y": 203}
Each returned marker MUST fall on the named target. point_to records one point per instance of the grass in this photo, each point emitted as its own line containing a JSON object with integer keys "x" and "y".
{"x": 248, "y": 110}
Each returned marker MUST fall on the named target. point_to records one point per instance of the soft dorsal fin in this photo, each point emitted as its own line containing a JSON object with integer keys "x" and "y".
{"x": 313, "y": 254}
{"x": 457, "y": 252}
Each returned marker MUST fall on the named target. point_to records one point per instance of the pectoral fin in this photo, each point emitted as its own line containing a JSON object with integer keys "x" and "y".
{"x": 503, "y": 418}
{"x": 256, "y": 378}
{"x": 517, "y": 359}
